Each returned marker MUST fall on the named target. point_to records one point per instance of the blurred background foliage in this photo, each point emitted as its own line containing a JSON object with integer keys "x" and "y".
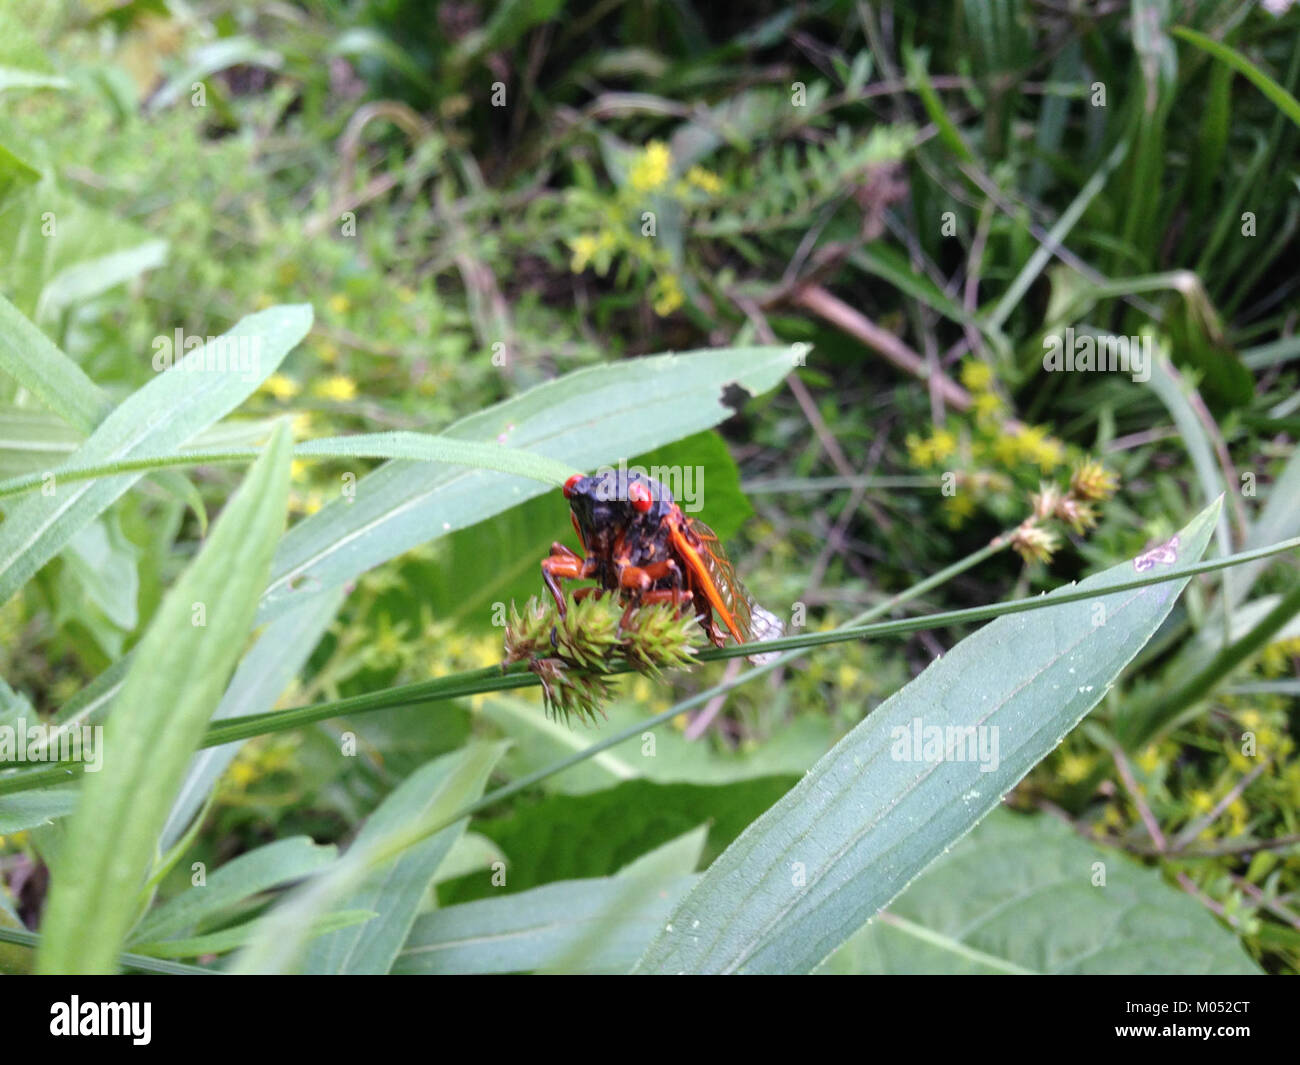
{"x": 461, "y": 194}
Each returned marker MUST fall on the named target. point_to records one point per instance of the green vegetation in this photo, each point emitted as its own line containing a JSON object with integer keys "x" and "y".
{"x": 308, "y": 309}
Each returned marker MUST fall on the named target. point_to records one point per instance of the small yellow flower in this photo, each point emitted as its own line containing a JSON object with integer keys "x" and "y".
{"x": 932, "y": 451}
{"x": 340, "y": 304}
{"x": 704, "y": 180}
{"x": 584, "y": 248}
{"x": 337, "y": 387}
{"x": 1034, "y": 445}
{"x": 297, "y": 470}
{"x": 1006, "y": 449}
{"x": 666, "y": 295}
{"x": 976, "y": 375}
{"x": 1239, "y": 815}
{"x": 1274, "y": 660}
{"x": 957, "y": 509}
{"x": 329, "y": 352}
{"x": 281, "y": 387}
{"x": 1093, "y": 481}
{"x": 987, "y": 405}
{"x": 651, "y": 168}
{"x": 1149, "y": 760}
{"x": 1074, "y": 768}
{"x": 1202, "y": 801}
{"x": 942, "y": 444}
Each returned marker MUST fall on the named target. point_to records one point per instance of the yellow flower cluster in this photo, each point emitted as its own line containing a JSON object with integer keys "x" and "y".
{"x": 930, "y": 451}
{"x": 587, "y": 247}
{"x": 337, "y": 387}
{"x": 651, "y": 168}
{"x": 704, "y": 180}
{"x": 281, "y": 386}
{"x": 666, "y": 294}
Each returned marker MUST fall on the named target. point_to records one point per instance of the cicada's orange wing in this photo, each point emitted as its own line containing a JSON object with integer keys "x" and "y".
{"x": 748, "y": 620}
{"x": 713, "y": 573}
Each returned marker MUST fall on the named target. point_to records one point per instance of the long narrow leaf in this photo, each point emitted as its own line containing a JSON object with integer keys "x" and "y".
{"x": 179, "y": 672}
{"x": 876, "y": 810}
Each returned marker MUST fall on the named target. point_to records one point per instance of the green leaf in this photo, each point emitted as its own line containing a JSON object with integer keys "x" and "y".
{"x": 1025, "y": 894}
{"x": 28, "y": 356}
{"x": 263, "y": 674}
{"x": 228, "y": 939}
{"x": 14, "y": 172}
{"x": 238, "y": 879}
{"x": 285, "y": 932}
{"x": 535, "y": 929}
{"x": 175, "y": 682}
{"x": 586, "y": 418}
{"x": 154, "y": 420}
{"x": 85, "y": 280}
{"x": 870, "y": 816}
{"x": 1287, "y": 103}
{"x": 395, "y": 890}
{"x": 596, "y": 925}
{"x": 563, "y": 837}
{"x": 28, "y": 809}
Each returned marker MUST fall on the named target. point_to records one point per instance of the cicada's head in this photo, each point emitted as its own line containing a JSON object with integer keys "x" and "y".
{"x": 606, "y": 505}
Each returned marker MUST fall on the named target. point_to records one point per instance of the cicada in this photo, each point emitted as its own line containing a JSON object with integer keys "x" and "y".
{"x": 640, "y": 545}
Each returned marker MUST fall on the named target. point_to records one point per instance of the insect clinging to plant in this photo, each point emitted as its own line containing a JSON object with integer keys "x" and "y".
{"x": 641, "y": 546}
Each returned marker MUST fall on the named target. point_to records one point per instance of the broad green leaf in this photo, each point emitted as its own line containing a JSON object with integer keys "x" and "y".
{"x": 599, "y": 924}
{"x": 469, "y": 854}
{"x": 285, "y": 932}
{"x": 154, "y": 420}
{"x": 89, "y": 278}
{"x": 395, "y": 890}
{"x": 539, "y": 741}
{"x": 877, "y": 809}
{"x": 31, "y": 359}
{"x": 536, "y": 929}
{"x": 238, "y": 879}
{"x": 566, "y": 837}
{"x": 174, "y": 684}
{"x": 586, "y": 418}
{"x": 1025, "y": 894}
{"x": 34, "y": 440}
{"x": 27, "y": 809}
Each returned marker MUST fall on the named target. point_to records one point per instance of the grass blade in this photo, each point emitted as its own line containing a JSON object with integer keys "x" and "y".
{"x": 170, "y": 692}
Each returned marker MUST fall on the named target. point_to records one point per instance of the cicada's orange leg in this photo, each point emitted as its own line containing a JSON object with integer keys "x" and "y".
{"x": 564, "y": 564}
{"x": 637, "y": 580}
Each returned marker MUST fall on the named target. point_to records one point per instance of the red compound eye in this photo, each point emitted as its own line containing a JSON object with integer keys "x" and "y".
{"x": 568, "y": 485}
{"x": 639, "y": 496}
